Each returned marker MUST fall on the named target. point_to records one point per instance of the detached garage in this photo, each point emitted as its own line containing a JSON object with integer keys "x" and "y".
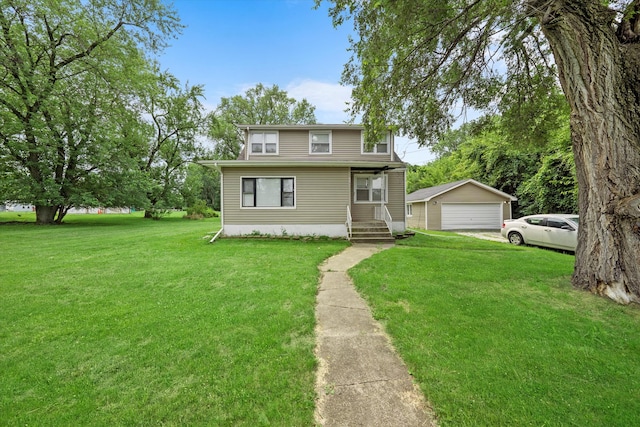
{"x": 460, "y": 205}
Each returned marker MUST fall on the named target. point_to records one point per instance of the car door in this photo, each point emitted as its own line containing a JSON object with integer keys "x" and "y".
{"x": 533, "y": 230}
{"x": 560, "y": 234}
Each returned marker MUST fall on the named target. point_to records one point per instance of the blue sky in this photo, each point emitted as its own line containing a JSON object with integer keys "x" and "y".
{"x": 230, "y": 46}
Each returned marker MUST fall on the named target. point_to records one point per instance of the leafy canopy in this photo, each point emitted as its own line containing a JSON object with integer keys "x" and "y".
{"x": 68, "y": 71}
{"x": 419, "y": 64}
{"x": 258, "y": 106}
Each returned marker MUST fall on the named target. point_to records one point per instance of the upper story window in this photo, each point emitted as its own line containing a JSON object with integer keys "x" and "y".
{"x": 263, "y": 142}
{"x": 382, "y": 147}
{"x": 320, "y": 142}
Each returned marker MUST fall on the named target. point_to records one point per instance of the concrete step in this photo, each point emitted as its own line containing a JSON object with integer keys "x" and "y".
{"x": 370, "y": 232}
{"x": 372, "y": 239}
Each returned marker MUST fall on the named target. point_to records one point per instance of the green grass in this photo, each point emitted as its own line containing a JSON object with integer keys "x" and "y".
{"x": 116, "y": 320}
{"x": 495, "y": 335}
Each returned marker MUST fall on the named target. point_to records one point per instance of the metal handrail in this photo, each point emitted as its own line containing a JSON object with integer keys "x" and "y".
{"x": 349, "y": 222}
{"x": 387, "y": 219}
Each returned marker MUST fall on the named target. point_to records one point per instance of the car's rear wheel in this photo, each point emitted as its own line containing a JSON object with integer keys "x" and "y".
{"x": 516, "y": 238}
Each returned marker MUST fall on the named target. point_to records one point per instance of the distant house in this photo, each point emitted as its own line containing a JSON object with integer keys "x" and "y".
{"x": 16, "y": 207}
{"x": 460, "y": 205}
{"x": 311, "y": 180}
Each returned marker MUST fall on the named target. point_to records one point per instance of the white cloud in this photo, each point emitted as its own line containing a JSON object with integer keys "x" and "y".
{"x": 330, "y": 99}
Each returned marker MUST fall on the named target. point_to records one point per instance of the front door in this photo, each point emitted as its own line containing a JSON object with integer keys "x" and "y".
{"x": 368, "y": 195}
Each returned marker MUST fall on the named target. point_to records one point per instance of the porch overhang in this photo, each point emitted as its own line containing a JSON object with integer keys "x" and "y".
{"x": 363, "y": 165}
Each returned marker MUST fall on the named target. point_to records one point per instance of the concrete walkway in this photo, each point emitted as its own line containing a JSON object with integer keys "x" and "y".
{"x": 361, "y": 381}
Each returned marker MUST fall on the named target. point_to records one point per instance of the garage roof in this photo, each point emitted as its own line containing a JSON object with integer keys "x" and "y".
{"x": 426, "y": 194}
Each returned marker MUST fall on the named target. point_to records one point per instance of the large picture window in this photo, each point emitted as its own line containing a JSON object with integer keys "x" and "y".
{"x": 263, "y": 142}
{"x": 370, "y": 188}
{"x": 268, "y": 192}
{"x": 382, "y": 147}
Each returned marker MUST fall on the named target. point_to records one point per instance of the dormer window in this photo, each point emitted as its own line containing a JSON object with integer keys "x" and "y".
{"x": 263, "y": 142}
{"x": 320, "y": 142}
{"x": 381, "y": 147}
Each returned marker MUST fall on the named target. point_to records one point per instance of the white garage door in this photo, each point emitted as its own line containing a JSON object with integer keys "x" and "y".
{"x": 471, "y": 216}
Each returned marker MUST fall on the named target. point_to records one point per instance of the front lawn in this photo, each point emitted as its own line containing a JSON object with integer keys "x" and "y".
{"x": 496, "y": 336}
{"x": 116, "y": 320}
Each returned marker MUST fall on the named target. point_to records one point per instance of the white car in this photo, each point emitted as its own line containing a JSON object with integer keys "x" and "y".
{"x": 557, "y": 231}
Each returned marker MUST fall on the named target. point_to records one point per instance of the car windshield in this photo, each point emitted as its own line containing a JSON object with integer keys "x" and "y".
{"x": 574, "y": 219}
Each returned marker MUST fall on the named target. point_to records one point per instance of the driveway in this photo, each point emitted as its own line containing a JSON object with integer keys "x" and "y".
{"x": 486, "y": 235}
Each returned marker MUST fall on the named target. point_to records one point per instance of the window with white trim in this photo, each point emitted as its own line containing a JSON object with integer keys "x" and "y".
{"x": 268, "y": 192}
{"x": 370, "y": 188}
{"x": 263, "y": 142}
{"x": 409, "y": 209}
{"x": 320, "y": 142}
{"x": 381, "y": 147}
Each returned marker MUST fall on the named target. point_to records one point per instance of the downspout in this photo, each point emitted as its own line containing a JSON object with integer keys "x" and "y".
{"x": 246, "y": 143}
{"x": 216, "y": 236}
{"x": 221, "y": 204}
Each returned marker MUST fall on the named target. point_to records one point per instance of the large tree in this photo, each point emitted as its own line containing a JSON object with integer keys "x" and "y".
{"x": 67, "y": 135}
{"x": 259, "y": 105}
{"x": 175, "y": 119}
{"x": 416, "y": 61}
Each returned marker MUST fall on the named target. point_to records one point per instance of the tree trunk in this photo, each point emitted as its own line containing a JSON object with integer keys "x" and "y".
{"x": 599, "y": 76}
{"x": 45, "y": 215}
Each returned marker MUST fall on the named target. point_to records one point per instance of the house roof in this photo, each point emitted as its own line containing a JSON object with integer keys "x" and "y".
{"x": 426, "y": 194}
{"x": 241, "y": 156}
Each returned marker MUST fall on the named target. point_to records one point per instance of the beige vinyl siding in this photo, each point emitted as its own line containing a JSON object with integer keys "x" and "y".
{"x": 417, "y": 220}
{"x": 345, "y": 145}
{"x": 294, "y": 144}
{"x": 506, "y": 210}
{"x": 396, "y": 204}
{"x": 434, "y": 216}
{"x": 321, "y": 196}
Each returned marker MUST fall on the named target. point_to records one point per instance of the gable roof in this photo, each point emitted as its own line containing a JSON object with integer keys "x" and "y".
{"x": 426, "y": 194}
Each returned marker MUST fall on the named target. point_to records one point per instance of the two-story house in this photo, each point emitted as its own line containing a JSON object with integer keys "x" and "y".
{"x": 319, "y": 180}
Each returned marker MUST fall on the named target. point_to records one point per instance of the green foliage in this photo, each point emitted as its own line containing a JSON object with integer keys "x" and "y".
{"x": 70, "y": 134}
{"x": 439, "y": 171}
{"x": 553, "y": 188}
{"x": 541, "y": 175}
{"x": 416, "y": 62}
{"x": 201, "y": 184}
{"x": 200, "y": 210}
{"x": 258, "y": 106}
{"x": 175, "y": 122}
